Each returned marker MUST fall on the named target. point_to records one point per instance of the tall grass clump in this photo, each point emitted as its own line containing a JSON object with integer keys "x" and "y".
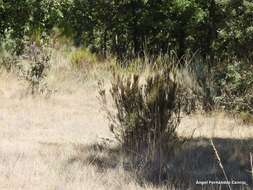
{"x": 147, "y": 116}
{"x": 192, "y": 93}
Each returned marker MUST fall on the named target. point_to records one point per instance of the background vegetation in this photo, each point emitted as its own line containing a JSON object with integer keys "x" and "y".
{"x": 217, "y": 33}
{"x": 167, "y": 56}
{"x": 213, "y": 29}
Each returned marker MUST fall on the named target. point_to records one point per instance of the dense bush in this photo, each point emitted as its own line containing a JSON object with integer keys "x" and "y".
{"x": 228, "y": 85}
{"x": 234, "y": 86}
{"x": 82, "y": 59}
{"x": 146, "y": 118}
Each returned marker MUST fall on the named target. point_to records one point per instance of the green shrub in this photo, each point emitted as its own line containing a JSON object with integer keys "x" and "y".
{"x": 82, "y": 59}
{"x": 227, "y": 85}
{"x": 146, "y": 118}
{"x": 8, "y": 63}
{"x": 246, "y": 117}
{"x": 234, "y": 86}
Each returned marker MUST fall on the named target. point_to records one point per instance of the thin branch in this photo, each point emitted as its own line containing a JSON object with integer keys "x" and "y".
{"x": 220, "y": 163}
{"x": 251, "y": 164}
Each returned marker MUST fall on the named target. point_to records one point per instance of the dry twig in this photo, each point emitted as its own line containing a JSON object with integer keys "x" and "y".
{"x": 220, "y": 163}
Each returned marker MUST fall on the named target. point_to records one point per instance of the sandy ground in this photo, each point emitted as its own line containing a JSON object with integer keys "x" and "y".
{"x": 42, "y": 141}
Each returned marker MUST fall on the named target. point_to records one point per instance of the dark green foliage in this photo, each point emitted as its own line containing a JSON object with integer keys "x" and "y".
{"x": 227, "y": 85}
{"x": 22, "y": 18}
{"x": 146, "y": 118}
{"x": 136, "y": 27}
{"x": 234, "y": 86}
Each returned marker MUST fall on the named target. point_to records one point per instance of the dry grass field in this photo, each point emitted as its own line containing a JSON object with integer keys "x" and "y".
{"x": 57, "y": 143}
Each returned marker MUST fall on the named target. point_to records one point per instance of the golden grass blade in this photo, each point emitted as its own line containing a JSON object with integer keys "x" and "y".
{"x": 220, "y": 163}
{"x": 251, "y": 164}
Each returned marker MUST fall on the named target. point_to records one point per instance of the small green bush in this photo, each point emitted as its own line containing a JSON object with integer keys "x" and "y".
{"x": 146, "y": 118}
{"x": 82, "y": 59}
{"x": 246, "y": 118}
{"x": 8, "y": 63}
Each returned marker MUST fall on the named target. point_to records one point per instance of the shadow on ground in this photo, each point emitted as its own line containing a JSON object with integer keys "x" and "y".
{"x": 196, "y": 161}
